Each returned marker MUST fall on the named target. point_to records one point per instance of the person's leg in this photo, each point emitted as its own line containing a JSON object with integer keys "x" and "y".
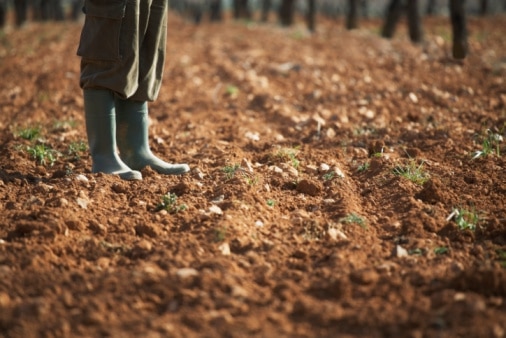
{"x": 133, "y": 139}
{"x": 132, "y": 118}
{"x": 100, "y": 116}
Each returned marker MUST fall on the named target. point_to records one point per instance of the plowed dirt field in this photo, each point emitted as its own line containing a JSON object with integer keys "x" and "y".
{"x": 342, "y": 185}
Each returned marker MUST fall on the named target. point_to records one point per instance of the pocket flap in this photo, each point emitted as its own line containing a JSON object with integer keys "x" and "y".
{"x": 108, "y": 9}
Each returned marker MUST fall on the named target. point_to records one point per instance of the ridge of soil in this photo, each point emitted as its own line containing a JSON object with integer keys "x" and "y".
{"x": 294, "y": 221}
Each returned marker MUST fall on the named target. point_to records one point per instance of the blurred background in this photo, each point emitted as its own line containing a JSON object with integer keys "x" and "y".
{"x": 16, "y": 13}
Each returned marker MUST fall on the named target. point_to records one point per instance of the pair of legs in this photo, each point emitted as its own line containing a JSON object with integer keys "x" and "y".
{"x": 114, "y": 123}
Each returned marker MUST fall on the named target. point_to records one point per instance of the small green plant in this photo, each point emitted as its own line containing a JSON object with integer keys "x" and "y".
{"x": 289, "y": 154}
{"x": 353, "y": 219}
{"x": 364, "y": 167}
{"x": 465, "y": 219}
{"x": 231, "y": 170}
{"x": 252, "y": 180}
{"x": 501, "y": 256}
{"x": 43, "y": 154}
{"x": 220, "y": 233}
{"x": 43, "y": 96}
{"x": 441, "y": 250}
{"x": 298, "y": 35}
{"x": 76, "y": 148}
{"x": 169, "y": 203}
{"x": 413, "y": 172}
{"x": 29, "y": 133}
{"x": 271, "y": 203}
{"x": 329, "y": 176}
{"x": 64, "y": 125}
{"x": 490, "y": 145}
{"x": 233, "y": 91}
{"x": 416, "y": 252}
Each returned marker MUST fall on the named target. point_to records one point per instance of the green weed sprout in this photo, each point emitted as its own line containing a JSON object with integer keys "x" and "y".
{"x": 490, "y": 145}
{"x": 465, "y": 219}
{"x": 271, "y": 203}
{"x": 363, "y": 167}
{"x": 232, "y": 90}
{"x": 169, "y": 203}
{"x": 75, "y": 148}
{"x": 231, "y": 170}
{"x": 44, "y": 155}
{"x": 329, "y": 176}
{"x": 353, "y": 219}
{"x": 441, "y": 250}
{"x": 29, "y": 133}
{"x": 413, "y": 172}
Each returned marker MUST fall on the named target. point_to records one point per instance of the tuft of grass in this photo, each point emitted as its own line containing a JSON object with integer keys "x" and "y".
{"x": 441, "y": 250}
{"x": 64, "y": 124}
{"x": 413, "y": 172}
{"x": 232, "y": 90}
{"x": 76, "y": 148}
{"x": 490, "y": 145}
{"x": 354, "y": 219}
{"x": 220, "y": 233}
{"x": 43, "y": 154}
{"x": 271, "y": 203}
{"x": 29, "y": 133}
{"x": 288, "y": 154}
{"x": 364, "y": 167}
{"x": 169, "y": 203}
{"x": 465, "y": 219}
{"x": 329, "y": 176}
{"x": 501, "y": 256}
{"x": 231, "y": 170}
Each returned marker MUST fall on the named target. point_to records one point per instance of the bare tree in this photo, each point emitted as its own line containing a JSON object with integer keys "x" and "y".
{"x": 286, "y": 12}
{"x": 352, "y": 17}
{"x": 414, "y": 21}
{"x": 483, "y": 7}
{"x": 241, "y": 9}
{"x": 3, "y": 13}
{"x": 394, "y": 12}
{"x": 459, "y": 29}
{"x": 21, "y": 9}
{"x": 215, "y": 12}
{"x": 311, "y": 15}
{"x": 266, "y": 8}
{"x": 431, "y": 7}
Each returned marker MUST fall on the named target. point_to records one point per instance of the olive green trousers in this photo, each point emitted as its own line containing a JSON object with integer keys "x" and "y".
{"x": 122, "y": 47}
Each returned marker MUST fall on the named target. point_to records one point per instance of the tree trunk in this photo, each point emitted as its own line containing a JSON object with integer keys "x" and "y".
{"x": 483, "y": 7}
{"x": 414, "y": 21}
{"x": 215, "y": 13}
{"x": 21, "y": 8}
{"x": 459, "y": 29}
{"x": 286, "y": 12}
{"x": 352, "y": 18}
{"x": 393, "y": 15}
{"x": 266, "y": 8}
{"x": 3, "y": 14}
{"x": 310, "y": 16}
{"x": 365, "y": 8}
{"x": 431, "y": 7}
{"x": 241, "y": 9}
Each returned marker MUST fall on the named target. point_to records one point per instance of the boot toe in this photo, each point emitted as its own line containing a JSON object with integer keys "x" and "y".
{"x": 132, "y": 175}
{"x": 172, "y": 169}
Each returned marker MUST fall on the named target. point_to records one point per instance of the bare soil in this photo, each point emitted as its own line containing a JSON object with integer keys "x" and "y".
{"x": 296, "y": 220}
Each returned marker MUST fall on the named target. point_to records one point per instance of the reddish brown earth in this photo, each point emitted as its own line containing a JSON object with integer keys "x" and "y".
{"x": 294, "y": 221}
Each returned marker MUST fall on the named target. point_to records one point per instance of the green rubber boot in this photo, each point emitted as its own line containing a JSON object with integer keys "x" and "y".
{"x": 133, "y": 142}
{"x": 100, "y": 118}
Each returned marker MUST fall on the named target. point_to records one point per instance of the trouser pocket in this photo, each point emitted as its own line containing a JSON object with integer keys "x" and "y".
{"x": 100, "y": 36}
